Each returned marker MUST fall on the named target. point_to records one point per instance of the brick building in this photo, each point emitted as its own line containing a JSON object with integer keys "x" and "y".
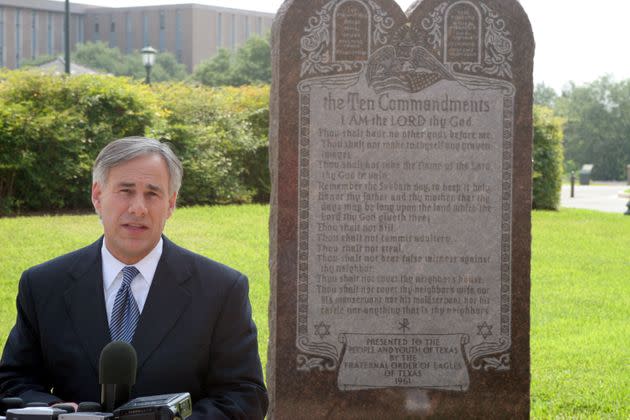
{"x": 192, "y": 32}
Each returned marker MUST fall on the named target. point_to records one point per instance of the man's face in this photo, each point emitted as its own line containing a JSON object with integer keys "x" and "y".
{"x": 134, "y": 204}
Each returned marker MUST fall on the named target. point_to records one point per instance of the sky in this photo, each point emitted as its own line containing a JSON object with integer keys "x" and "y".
{"x": 576, "y": 40}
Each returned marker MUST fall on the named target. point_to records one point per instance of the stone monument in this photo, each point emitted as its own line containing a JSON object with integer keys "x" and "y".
{"x": 400, "y": 225}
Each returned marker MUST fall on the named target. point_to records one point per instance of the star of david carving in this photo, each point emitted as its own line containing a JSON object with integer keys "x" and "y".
{"x": 322, "y": 330}
{"x": 484, "y": 330}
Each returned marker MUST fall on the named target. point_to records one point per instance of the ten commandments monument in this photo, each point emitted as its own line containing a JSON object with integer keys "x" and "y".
{"x": 400, "y": 224}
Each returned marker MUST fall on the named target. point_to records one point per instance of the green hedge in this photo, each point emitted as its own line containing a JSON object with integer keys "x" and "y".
{"x": 52, "y": 128}
{"x": 548, "y": 157}
{"x": 220, "y": 145}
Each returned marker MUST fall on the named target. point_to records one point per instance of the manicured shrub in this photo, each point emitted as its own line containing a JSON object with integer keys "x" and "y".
{"x": 548, "y": 157}
{"x": 251, "y": 106}
{"x": 211, "y": 132}
{"x": 256, "y": 163}
{"x": 52, "y": 128}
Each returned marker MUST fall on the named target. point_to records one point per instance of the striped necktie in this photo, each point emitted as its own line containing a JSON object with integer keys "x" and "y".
{"x": 125, "y": 314}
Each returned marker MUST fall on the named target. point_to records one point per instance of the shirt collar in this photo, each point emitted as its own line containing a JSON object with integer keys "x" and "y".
{"x": 146, "y": 266}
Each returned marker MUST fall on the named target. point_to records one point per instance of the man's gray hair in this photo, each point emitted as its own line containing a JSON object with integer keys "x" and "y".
{"x": 125, "y": 149}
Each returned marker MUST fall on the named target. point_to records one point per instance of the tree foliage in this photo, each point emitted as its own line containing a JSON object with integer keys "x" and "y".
{"x": 548, "y": 157}
{"x": 166, "y": 68}
{"x": 251, "y": 64}
{"x": 545, "y": 95}
{"x": 52, "y": 128}
{"x": 216, "y": 145}
{"x": 598, "y": 126}
{"x": 99, "y": 56}
{"x": 215, "y": 71}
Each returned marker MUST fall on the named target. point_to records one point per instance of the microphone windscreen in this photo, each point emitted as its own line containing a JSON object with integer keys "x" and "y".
{"x": 118, "y": 364}
{"x": 89, "y": 406}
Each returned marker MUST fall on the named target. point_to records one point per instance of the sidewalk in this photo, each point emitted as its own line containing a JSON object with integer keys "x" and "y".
{"x": 603, "y": 196}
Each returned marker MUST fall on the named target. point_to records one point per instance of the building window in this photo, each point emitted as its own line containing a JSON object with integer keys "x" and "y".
{"x": 219, "y": 31}
{"x": 246, "y": 27}
{"x": 162, "y": 40}
{"x": 112, "y": 32}
{"x": 128, "y": 34}
{"x": 33, "y": 34}
{"x": 145, "y": 30}
{"x": 77, "y": 28}
{"x": 49, "y": 34}
{"x": 233, "y": 33}
{"x": 259, "y": 26}
{"x": 81, "y": 37}
{"x": 178, "y": 35}
{"x": 97, "y": 30}
{"x": 1, "y": 37}
{"x": 18, "y": 37}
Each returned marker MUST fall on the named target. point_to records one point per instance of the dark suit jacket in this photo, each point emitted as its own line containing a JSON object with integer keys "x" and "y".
{"x": 195, "y": 334}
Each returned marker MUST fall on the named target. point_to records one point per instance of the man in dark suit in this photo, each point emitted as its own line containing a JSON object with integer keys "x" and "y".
{"x": 192, "y": 329}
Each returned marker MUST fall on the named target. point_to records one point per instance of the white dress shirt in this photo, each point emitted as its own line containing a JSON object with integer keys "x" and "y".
{"x": 112, "y": 276}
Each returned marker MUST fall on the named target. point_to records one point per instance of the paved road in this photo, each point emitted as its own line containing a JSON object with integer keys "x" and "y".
{"x": 602, "y": 197}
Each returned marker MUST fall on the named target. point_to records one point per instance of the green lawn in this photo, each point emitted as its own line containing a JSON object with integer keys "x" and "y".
{"x": 234, "y": 235}
{"x": 580, "y": 291}
{"x": 580, "y": 338}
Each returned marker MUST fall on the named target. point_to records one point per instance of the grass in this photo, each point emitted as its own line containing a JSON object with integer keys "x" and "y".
{"x": 580, "y": 291}
{"x": 234, "y": 235}
{"x": 580, "y": 338}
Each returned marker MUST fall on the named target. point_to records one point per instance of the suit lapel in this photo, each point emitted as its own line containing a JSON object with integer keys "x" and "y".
{"x": 85, "y": 302}
{"x": 167, "y": 300}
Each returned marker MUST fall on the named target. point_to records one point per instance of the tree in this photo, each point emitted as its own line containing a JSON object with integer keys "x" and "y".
{"x": 167, "y": 68}
{"x": 548, "y": 154}
{"x": 250, "y": 65}
{"x": 598, "y": 126}
{"x": 545, "y": 95}
{"x": 99, "y": 56}
{"x": 215, "y": 71}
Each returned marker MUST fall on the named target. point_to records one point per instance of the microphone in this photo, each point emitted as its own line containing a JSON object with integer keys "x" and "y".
{"x": 117, "y": 373}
